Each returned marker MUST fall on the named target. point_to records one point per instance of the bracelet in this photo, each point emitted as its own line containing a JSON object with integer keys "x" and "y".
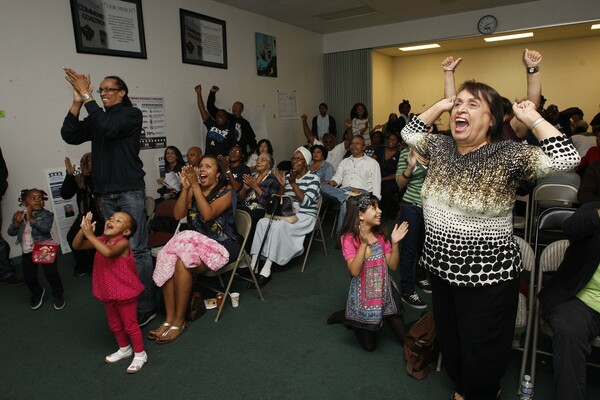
{"x": 405, "y": 177}
{"x": 536, "y": 123}
{"x": 228, "y": 172}
{"x": 448, "y": 70}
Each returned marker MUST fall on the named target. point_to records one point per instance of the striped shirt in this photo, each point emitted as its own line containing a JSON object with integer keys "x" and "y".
{"x": 415, "y": 183}
{"x": 310, "y": 185}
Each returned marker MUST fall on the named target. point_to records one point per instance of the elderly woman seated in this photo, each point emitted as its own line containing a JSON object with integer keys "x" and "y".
{"x": 284, "y": 240}
{"x": 211, "y": 242}
{"x": 257, "y": 190}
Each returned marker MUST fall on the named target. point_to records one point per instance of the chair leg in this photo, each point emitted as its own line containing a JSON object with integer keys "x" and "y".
{"x": 312, "y": 235}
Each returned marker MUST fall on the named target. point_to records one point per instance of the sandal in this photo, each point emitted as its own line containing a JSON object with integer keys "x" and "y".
{"x": 153, "y": 334}
{"x": 171, "y": 334}
{"x": 137, "y": 363}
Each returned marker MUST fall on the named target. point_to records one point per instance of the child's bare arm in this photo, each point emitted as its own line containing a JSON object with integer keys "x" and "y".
{"x": 87, "y": 227}
{"x": 80, "y": 242}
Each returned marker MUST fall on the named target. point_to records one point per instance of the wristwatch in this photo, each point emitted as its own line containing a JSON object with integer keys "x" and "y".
{"x": 86, "y": 96}
{"x": 532, "y": 70}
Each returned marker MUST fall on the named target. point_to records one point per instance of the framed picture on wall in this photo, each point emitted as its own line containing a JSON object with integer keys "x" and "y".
{"x": 203, "y": 40}
{"x": 109, "y": 27}
{"x": 266, "y": 55}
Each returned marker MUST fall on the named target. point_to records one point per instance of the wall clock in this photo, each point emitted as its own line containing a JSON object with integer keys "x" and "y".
{"x": 487, "y": 24}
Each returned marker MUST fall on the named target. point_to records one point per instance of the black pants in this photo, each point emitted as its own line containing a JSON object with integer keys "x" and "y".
{"x": 84, "y": 259}
{"x": 475, "y": 328}
{"x": 30, "y": 275}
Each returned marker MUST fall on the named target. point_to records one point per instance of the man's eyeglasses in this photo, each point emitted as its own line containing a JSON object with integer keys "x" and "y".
{"x": 100, "y": 90}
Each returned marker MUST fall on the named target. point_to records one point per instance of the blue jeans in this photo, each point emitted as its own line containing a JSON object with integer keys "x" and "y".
{"x": 412, "y": 245}
{"x": 574, "y": 325}
{"x": 339, "y": 195}
{"x": 134, "y": 202}
{"x": 6, "y": 268}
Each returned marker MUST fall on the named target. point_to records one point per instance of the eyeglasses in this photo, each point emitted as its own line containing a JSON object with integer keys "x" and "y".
{"x": 100, "y": 90}
{"x": 297, "y": 159}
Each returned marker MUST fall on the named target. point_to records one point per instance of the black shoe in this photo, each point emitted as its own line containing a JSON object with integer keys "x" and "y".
{"x": 59, "y": 302}
{"x": 37, "y": 300}
{"x": 244, "y": 273}
{"x": 425, "y": 285}
{"x": 12, "y": 280}
{"x": 414, "y": 301}
{"x": 145, "y": 317}
{"x": 262, "y": 281}
{"x": 337, "y": 317}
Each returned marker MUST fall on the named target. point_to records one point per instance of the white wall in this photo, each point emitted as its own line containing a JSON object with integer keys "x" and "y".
{"x": 534, "y": 14}
{"x": 37, "y": 40}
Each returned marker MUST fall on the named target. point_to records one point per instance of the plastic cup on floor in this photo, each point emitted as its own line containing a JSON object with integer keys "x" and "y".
{"x": 235, "y": 299}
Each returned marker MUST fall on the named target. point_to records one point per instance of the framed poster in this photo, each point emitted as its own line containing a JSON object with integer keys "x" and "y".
{"x": 109, "y": 27}
{"x": 203, "y": 40}
{"x": 266, "y": 55}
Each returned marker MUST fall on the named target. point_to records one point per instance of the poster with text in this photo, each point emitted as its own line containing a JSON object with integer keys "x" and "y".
{"x": 154, "y": 133}
{"x": 65, "y": 211}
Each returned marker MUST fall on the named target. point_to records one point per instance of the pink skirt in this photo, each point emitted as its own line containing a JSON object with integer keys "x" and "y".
{"x": 194, "y": 249}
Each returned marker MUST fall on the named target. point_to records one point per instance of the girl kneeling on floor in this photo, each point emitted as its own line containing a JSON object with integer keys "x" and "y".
{"x": 373, "y": 295}
{"x": 115, "y": 282}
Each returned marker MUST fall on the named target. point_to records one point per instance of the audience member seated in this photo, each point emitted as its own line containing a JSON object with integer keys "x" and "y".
{"x": 387, "y": 157}
{"x": 257, "y": 191}
{"x": 359, "y": 117}
{"x": 355, "y": 175}
{"x": 390, "y": 126}
{"x": 323, "y": 123}
{"x": 319, "y": 165}
{"x": 210, "y": 243}
{"x": 562, "y": 119}
{"x": 264, "y": 146}
{"x": 589, "y": 189}
{"x": 284, "y": 240}
{"x": 593, "y": 154}
{"x": 595, "y": 123}
{"x": 81, "y": 186}
{"x": 578, "y": 125}
{"x": 170, "y": 185}
{"x": 335, "y": 153}
{"x": 235, "y": 168}
{"x": 194, "y": 154}
{"x": 221, "y": 135}
{"x": 570, "y": 302}
{"x": 244, "y": 134}
{"x": 376, "y": 141}
{"x": 405, "y": 116}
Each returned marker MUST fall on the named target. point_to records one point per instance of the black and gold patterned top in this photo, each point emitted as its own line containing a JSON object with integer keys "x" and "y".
{"x": 468, "y": 201}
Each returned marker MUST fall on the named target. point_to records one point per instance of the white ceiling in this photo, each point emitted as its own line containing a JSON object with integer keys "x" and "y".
{"x": 343, "y": 15}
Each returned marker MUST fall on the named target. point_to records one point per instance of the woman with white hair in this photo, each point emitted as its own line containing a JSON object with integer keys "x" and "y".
{"x": 285, "y": 240}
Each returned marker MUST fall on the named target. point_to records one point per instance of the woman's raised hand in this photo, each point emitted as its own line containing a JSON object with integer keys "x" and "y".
{"x": 399, "y": 232}
{"x": 79, "y": 82}
{"x": 250, "y": 181}
{"x": 280, "y": 175}
{"x": 450, "y": 63}
{"x": 526, "y": 112}
{"x": 412, "y": 158}
{"x": 70, "y": 168}
{"x": 532, "y": 58}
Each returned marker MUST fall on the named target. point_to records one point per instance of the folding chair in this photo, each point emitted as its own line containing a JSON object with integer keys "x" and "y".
{"x": 317, "y": 230}
{"x": 547, "y": 195}
{"x": 164, "y": 210}
{"x": 150, "y": 205}
{"x": 524, "y": 321}
{"x": 243, "y": 223}
{"x": 522, "y": 222}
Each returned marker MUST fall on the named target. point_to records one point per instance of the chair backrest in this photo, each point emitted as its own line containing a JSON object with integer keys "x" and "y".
{"x": 553, "y": 218}
{"x": 527, "y": 255}
{"x": 553, "y": 255}
{"x": 562, "y": 194}
{"x": 165, "y": 208}
{"x": 243, "y": 224}
{"x": 570, "y": 177}
{"x": 150, "y": 205}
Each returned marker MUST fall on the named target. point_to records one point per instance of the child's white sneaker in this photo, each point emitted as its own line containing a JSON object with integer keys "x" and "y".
{"x": 138, "y": 362}
{"x": 123, "y": 352}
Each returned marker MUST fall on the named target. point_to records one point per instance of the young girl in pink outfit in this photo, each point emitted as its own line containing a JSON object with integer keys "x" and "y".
{"x": 115, "y": 282}
{"x": 373, "y": 295}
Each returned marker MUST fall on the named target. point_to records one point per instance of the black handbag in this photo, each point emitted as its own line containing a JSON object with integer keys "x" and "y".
{"x": 280, "y": 207}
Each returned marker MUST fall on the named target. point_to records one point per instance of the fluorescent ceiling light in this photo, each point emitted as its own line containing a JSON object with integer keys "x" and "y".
{"x": 509, "y": 37}
{"x": 596, "y": 26}
{"x": 420, "y": 47}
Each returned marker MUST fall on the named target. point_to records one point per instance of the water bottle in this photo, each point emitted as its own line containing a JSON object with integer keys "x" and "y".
{"x": 526, "y": 389}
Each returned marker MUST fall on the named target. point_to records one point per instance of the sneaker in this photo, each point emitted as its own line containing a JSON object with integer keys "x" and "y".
{"x": 12, "y": 280}
{"x": 145, "y": 317}
{"x": 414, "y": 301}
{"x": 59, "y": 302}
{"x": 119, "y": 355}
{"x": 36, "y": 301}
{"x": 425, "y": 285}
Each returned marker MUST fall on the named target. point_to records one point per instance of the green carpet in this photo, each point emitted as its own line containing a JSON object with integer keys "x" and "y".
{"x": 277, "y": 349}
